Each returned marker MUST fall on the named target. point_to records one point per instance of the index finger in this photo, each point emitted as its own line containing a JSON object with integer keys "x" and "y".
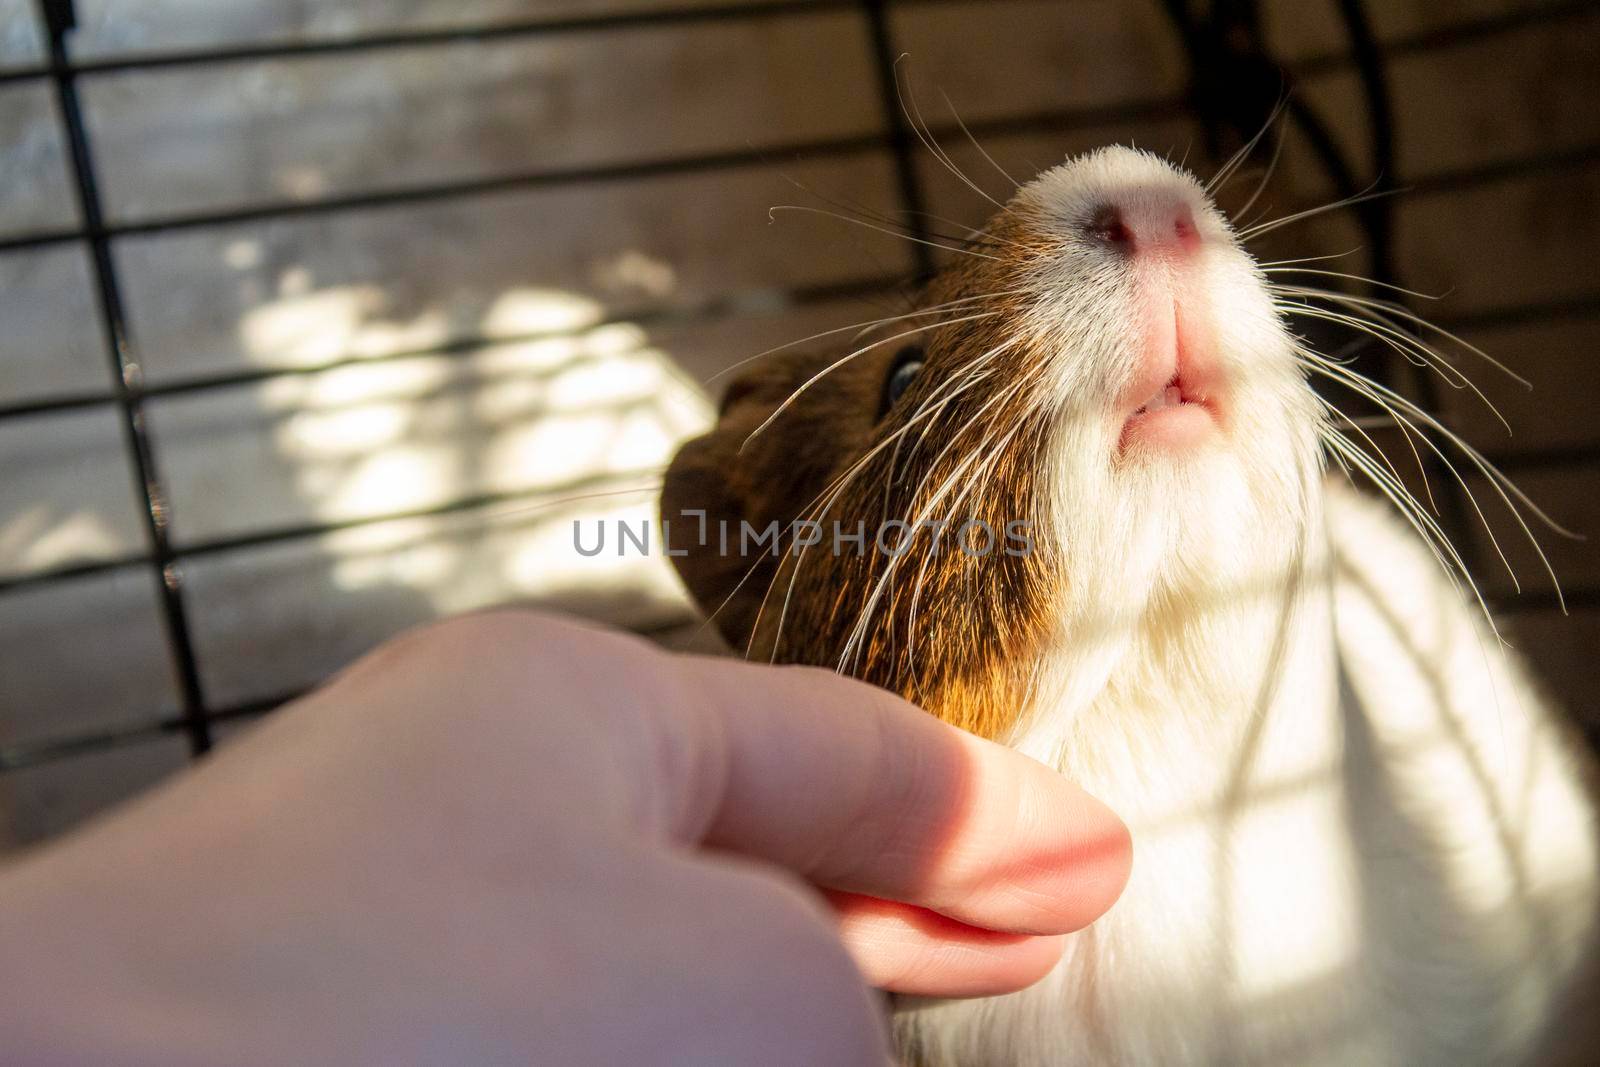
{"x": 855, "y": 789}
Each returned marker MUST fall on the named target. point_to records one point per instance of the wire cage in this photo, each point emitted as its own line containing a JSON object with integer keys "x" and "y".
{"x": 1371, "y": 92}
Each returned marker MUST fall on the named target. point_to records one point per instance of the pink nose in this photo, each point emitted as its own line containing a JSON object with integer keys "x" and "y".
{"x": 1143, "y": 227}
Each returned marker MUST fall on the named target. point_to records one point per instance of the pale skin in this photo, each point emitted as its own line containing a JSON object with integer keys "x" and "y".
{"x": 511, "y": 838}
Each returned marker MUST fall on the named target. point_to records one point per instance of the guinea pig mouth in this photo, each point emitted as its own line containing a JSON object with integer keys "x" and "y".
{"x": 1173, "y": 417}
{"x": 1167, "y": 396}
{"x": 1169, "y": 405}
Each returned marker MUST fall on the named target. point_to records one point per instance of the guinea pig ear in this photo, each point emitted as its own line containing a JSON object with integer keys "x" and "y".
{"x": 706, "y": 494}
{"x": 697, "y": 502}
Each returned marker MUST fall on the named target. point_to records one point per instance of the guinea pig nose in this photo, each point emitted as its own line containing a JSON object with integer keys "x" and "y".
{"x": 1184, "y": 233}
{"x": 1143, "y": 227}
{"x": 1107, "y": 226}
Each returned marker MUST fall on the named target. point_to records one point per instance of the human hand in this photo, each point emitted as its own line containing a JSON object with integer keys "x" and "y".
{"x": 509, "y": 838}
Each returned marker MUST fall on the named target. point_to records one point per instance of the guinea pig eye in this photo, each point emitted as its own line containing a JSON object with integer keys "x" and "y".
{"x": 906, "y": 366}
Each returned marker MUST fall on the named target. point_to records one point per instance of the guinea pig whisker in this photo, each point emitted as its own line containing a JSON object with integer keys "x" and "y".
{"x": 1335, "y": 411}
{"x": 995, "y": 451}
{"x": 1455, "y": 569}
{"x": 1375, "y": 320}
{"x": 854, "y": 644}
{"x": 815, "y": 378}
{"x": 1283, "y": 267}
{"x": 968, "y": 376}
{"x": 960, "y": 381}
{"x": 1409, "y": 435}
{"x": 514, "y": 507}
{"x": 1424, "y": 519}
{"x": 1384, "y": 309}
{"x": 919, "y": 126}
{"x": 981, "y": 151}
{"x": 1262, "y": 229}
{"x": 959, "y": 434}
{"x": 1407, "y": 413}
{"x": 867, "y": 326}
{"x": 970, "y": 237}
{"x": 1261, "y": 186}
{"x": 1421, "y": 356}
{"x": 964, "y": 235}
{"x": 963, "y": 380}
{"x": 1403, "y": 343}
{"x": 881, "y": 229}
{"x": 824, "y": 500}
{"x": 1403, "y": 411}
{"x": 1369, "y": 422}
{"x": 1496, "y": 477}
{"x": 1426, "y": 526}
{"x": 1235, "y": 161}
{"x": 1265, "y": 264}
{"x": 856, "y": 640}
{"x": 956, "y": 437}
{"x": 991, "y": 450}
{"x": 819, "y": 504}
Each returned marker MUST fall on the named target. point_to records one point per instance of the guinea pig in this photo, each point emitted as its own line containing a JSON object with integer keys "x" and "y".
{"x": 1078, "y": 500}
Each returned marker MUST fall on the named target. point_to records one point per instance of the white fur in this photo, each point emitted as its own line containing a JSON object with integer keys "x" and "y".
{"x": 1360, "y": 837}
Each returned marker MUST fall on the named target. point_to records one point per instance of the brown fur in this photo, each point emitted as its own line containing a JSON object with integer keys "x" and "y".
{"x": 951, "y": 628}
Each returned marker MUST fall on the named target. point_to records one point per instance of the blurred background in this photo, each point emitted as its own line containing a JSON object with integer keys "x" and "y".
{"x": 319, "y": 320}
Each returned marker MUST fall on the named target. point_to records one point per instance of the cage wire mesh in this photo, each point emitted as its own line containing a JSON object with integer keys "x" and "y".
{"x": 1233, "y": 83}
